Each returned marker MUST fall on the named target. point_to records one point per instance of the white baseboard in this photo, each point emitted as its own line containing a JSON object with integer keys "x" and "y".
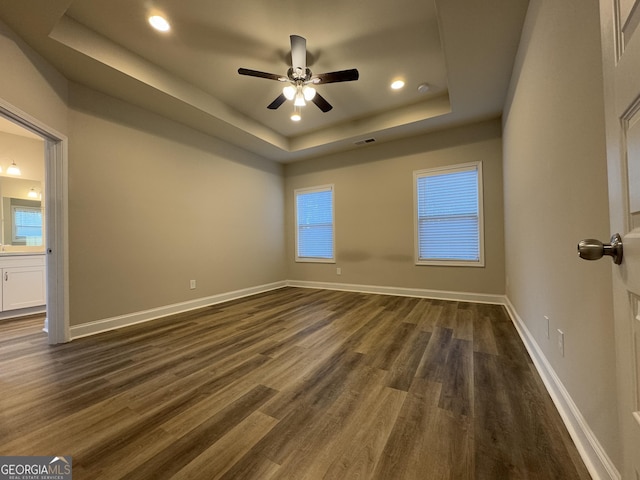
{"x": 595, "y": 458}
{"x": 403, "y": 292}
{"x": 99, "y": 326}
{"x": 22, "y": 312}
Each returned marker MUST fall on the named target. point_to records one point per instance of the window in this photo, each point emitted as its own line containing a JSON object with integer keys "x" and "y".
{"x": 449, "y": 227}
{"x": 314, "y": 224}
{"x": 27, "y": 225}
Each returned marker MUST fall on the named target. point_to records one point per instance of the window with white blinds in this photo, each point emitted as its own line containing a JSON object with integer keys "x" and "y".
{"x": 449, "y": 226}
{"x": 27, "y": 225}
{"x": 314, "y": 224}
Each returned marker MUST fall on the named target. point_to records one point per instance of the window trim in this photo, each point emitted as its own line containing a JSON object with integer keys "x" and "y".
{"x": 450, "y": 169}
{"x": 320, "y": 188}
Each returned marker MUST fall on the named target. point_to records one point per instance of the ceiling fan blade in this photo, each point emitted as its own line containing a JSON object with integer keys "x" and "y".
{"x": 298, "y": 52}
{"x": 340, "y": 76}
{"x": 277, "y": 102}
{"x": 321, "y": 103}
{"x": 256, "y": 73}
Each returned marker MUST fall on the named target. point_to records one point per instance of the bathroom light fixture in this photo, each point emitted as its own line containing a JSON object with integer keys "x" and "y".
{"x": 32, "y": 194}
{"x": 13, "y": 169}
{"x": 159, "y": 23}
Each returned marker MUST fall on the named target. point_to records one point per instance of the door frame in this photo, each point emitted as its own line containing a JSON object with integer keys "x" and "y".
{"x": 56, "y": 220}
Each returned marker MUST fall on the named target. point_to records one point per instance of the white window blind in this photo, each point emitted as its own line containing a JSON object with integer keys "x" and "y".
{"x": 27, "y": 225}
{"x": 449, "y": 215}
{"x": 314, "y": 224}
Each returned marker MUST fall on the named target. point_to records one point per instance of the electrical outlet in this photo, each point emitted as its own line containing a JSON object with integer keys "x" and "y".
{"x": 338, "y": 271}
{"x": 561, "y": 342}
{"x": 192, "y": 284}
{"x": 547, "y": 322}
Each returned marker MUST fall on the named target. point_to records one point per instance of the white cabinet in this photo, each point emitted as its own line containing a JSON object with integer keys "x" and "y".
{"x": 23, "y": 281}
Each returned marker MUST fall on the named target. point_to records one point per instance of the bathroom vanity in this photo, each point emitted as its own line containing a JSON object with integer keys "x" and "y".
{"x": 23, "y": 282}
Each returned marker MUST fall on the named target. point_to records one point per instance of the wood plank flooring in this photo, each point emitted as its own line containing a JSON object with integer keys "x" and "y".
{"x": 290, "y": 384}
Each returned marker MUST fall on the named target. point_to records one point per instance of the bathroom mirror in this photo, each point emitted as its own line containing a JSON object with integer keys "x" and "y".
{"x": 22, "y": 214}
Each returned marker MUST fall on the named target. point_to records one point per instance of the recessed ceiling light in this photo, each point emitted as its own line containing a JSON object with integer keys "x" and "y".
{"x": 159, "y": 23}
{"x": 397, "y": 85}
{"x": 424, "y": 88}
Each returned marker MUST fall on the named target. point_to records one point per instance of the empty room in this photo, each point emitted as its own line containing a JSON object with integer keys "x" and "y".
{"x": 329, "y": 240}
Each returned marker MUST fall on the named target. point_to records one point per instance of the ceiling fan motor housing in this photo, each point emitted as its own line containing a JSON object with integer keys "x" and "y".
{"x": 297, "y": 75}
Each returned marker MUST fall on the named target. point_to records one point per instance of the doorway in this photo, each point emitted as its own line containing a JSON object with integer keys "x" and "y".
{"x": 54, "y": 199}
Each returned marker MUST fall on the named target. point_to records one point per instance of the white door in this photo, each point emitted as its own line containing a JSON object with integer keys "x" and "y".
{"x": 619, "y": 20}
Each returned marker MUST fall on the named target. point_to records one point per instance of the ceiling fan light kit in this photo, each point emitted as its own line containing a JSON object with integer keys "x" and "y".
{"x": 299, "y": 100}
{"x": 301, "y": 79}
{"x": 308, "y": 92}
{"x": 289, "y": 92}
{"x": 295, "y": 116}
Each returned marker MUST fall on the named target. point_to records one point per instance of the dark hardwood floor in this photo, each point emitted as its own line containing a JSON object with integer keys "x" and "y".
{"x": 290, "y": 384}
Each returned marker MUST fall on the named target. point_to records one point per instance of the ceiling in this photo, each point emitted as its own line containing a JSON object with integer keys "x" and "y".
{"x": 463, "y": 49}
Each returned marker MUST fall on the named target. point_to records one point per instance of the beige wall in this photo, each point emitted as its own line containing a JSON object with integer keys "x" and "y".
{"x": 31, "y": 84}
{"x": 374, "y": 211}
{"x": 555, "y": 194}
{"x": 153, "y": 204}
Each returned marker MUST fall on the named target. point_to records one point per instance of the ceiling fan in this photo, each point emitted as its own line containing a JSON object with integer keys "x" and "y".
{"x": 301, "y": 81}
